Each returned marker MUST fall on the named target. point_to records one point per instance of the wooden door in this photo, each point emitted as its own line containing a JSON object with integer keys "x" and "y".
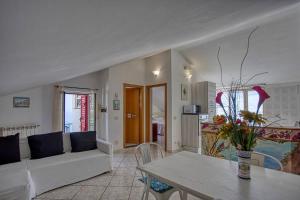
{"x": 132, "y": 115}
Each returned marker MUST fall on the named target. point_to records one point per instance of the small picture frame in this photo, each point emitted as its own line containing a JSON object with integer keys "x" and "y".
{"x": 116, "y": 104}
{"x": 184, "y": 92}
{"x": 21, "y": 102}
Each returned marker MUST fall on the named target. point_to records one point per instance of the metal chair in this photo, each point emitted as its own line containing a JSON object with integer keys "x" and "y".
{"x": 258, "y": 159}
{"x": 145, "y": 153}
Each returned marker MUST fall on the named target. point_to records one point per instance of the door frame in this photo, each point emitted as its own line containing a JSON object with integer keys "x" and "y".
{"x": 148, "y": 111}
{"x": 141, "y": 108}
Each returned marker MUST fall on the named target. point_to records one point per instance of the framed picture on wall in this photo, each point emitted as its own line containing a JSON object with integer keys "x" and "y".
{"x": 21, "y": 102}
{"x": 184, "y": 92}
{"x": 116, "y": 104}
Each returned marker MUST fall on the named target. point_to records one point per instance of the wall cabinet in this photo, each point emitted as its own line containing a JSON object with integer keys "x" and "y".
{"x": 203, "y": 94}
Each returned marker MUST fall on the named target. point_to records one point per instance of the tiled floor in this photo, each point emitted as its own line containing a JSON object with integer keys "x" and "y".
{"x": 121, "y": 183}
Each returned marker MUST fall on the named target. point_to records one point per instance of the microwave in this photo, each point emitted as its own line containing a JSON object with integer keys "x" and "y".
{"x": 191, "y": 109}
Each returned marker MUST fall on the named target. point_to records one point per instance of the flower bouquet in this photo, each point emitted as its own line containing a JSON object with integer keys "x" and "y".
{"x": 240, "y": 128}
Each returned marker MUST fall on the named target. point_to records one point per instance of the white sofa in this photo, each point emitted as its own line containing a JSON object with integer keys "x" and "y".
{"x": 15, "y": 182}
{"x": 29, "y": 178}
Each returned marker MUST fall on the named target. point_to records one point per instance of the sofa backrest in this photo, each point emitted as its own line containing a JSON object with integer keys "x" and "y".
{"x": 25, "y": 150}
{"x": 67, "y": 142}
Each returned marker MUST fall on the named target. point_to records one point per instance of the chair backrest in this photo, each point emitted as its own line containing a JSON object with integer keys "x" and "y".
{"x": 258, "y": 159}
{"x": 147, "y": 152}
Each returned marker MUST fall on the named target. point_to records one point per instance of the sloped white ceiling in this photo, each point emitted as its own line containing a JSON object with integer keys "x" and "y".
{"x": 42, "y": 42}
{"x": 274, "y": 48}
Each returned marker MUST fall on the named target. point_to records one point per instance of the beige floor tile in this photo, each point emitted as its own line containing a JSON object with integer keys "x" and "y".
{"x": 125, "y": 171}
{"x": 89, "y": 193}
{"x": 121, "y": 181}
{"x": 115, "y": 185}
{"x": 137, "y": 182}
{"x": 116, "y": 164}
{"x": 137, "y": 192}
{"x": 118, "y": 158}
{"x": 116, "y": 193}
{"x": 67, "y": 192}
{"x": 102, "y": 180}
{"x": 138, "y": 173}
{"x": 128, "y": 164}
{"x": 129, "y": 159}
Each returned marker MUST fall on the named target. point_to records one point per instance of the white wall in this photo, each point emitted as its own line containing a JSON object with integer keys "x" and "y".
{"x": 274, "y": 48}
{"x": 132, "y": 72}
{"x": 40, "y": 110}
{"x": 178, "y": 78}
{"x": 110, "y": 82}
{"x": 162, "y": 61}
{"x": 36, "y": 113}
{"x": 139, "y": 72}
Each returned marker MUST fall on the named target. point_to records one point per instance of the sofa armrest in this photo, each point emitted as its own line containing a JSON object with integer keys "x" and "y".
{"x": 105, "y": 146}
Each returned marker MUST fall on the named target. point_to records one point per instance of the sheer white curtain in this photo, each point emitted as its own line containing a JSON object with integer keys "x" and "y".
{"x": 57, "y": 113}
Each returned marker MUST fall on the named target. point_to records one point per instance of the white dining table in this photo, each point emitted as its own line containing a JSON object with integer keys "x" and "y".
{"x": 215, "y": 178}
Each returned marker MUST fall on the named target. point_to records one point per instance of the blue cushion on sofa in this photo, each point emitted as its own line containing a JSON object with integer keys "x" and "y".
{"x": 156, "y": 185}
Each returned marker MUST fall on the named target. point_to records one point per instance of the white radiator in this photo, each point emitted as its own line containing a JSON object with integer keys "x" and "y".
{"x": 24, "y": 130}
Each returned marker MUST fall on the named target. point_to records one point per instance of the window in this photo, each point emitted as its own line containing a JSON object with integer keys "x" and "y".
{"x": 79, "y": 112}
{"x": 240, "y": 104}
{"x": 253, "y": 98}
{"x": 225, "y": 100}
{"x": 246, "y": 100}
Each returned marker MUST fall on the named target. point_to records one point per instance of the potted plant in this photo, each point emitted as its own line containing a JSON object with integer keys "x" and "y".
{"x": 241, "y": 129}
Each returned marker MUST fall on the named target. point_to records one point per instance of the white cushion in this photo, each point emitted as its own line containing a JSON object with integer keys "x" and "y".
{"x": 15, "y": 182}
{"x": 56, "y": 171}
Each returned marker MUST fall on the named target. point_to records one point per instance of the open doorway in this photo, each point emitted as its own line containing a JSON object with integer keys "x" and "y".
{"x": 156, "y": 114}
{"x": 133, "y": 96}
{"x": 79, "y": 112}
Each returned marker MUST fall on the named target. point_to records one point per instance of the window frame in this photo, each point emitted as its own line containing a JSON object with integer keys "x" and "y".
{"x": 245, "y": 95}
{"x": 78, "y": 94}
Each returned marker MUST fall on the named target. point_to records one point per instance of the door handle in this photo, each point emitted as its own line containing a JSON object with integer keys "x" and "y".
{"x": 129, "y": 116}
